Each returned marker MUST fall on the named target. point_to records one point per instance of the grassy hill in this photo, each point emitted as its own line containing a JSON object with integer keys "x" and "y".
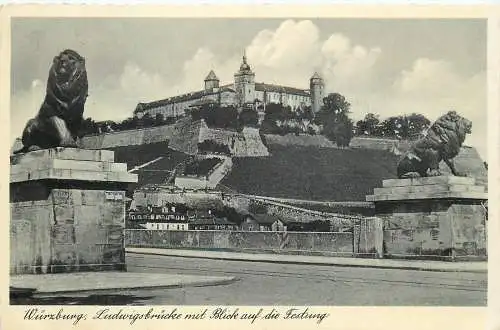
{"x": 313, "y": 173}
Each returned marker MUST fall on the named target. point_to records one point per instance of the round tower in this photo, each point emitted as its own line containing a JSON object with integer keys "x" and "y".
{"x": 211, "y": 81}
{"x": 317, "y": 86}
{"x": 244, "y": 83}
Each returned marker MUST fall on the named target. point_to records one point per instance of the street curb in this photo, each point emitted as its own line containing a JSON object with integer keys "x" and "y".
{"x": 229, "y": 280}
{"x": 313, "y": 263}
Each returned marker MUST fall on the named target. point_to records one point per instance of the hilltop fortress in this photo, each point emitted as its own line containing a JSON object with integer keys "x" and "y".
{"x": 244, "y": 92}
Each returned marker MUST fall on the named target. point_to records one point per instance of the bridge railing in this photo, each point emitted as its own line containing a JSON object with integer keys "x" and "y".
{"x": 341, "y": 244}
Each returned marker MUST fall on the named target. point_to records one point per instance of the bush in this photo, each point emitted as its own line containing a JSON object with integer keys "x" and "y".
{"x": 216, "y": 116}
{"x": 248, "y": 117}
{"x": 212, "y": 146}
{"x": 311, "y": 131}
{"x": 257, "y": 208}
{"x": 201, "y": 167}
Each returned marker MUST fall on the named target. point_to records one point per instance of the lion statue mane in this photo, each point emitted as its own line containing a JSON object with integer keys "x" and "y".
{"x": 442, "y": 142}
{"x": 59, "y": 119}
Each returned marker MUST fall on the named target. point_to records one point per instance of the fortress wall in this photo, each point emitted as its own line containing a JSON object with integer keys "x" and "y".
{"x": 253, "y": 145}
{"x": 301, "y": 140}
{"x": 376, "y": 143}
{"x": 245, "y": 144}
{"x": 185, "y": 136}
{"x": 128, "y": 137}
{"x": 158, "y": 134}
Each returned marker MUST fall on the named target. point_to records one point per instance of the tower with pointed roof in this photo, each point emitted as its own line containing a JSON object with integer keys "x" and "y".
{"x": 317, "y": 86}
{"x": 244, "y": 83}
{"x": 211, "y": 81}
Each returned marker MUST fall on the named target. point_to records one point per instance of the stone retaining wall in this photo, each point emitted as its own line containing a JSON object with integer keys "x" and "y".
{"x": 337, "y": 244}
{"x": 300, "y": 140}
{"x": 128, "y": 137}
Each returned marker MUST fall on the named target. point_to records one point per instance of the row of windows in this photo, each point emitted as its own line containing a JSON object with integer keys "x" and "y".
{"x": 216, "y": 227}
{"x": 156, "y": 217}
{"x": 167, "y": 226}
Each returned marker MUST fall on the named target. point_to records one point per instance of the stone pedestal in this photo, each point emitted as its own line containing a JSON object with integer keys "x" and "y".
{"x": 432, "y": 218}
{"x": 67, "y": 211}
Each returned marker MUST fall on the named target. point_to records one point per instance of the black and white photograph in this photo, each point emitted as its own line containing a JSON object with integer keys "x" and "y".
{"x": 260, "y": 161}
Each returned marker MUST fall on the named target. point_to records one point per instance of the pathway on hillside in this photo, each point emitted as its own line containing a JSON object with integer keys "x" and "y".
{"x": 145, "y": 164}
{"x": 281, "y": 202}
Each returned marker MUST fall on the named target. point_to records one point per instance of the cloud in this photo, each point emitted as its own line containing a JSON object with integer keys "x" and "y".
{"x": 347, "y": 66}
{"x": 433, "y": 87}
{"x": 294, "y": 51}
{"x": 25, "y": 105}
{"x": 431, "y": 77}
{"x": 291, "y": 44}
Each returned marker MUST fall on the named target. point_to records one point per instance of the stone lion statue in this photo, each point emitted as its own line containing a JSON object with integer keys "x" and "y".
{"x": 61, "y": 114}
{"x": 442, "y": 142}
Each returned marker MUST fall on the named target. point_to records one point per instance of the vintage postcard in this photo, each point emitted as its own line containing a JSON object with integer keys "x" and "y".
{"x": 223, "y": 167}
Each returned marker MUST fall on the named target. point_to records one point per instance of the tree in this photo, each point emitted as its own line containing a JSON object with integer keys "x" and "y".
{"x": 390, "y": 127}
{"x": 230, "y": 213}
{"x": 405, "y": 126}
{"x": 88, "y": 127}
{"x": 159, "y": 119}
{"x": 274, "y": 113}
{"x": 248, "y": 117}
{"x": 417, "y": 124}
{"x": 148, "y": 120}
{"x": 334, "y": 116}
{"x": 334, "y": 104}
{"x": 257, "y": 208}
{"x": 368, "y": 125}
{"x": 216, "y": 116}
{"x": 343, "y": 131}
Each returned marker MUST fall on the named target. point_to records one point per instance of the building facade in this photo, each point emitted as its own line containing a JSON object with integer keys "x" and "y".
{"x": 243, "y": 92}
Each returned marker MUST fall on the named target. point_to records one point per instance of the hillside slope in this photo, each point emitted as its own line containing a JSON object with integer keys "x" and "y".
{"x": 313, "y": 173}
{"x": 300, "y": 172}
{"x": 156, "y": 172}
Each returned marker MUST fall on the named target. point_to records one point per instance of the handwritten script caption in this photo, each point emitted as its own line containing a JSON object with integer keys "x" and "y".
{"x": 215, "y": 313}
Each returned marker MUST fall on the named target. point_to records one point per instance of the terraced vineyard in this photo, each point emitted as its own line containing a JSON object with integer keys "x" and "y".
{"x": 313, "y": 173}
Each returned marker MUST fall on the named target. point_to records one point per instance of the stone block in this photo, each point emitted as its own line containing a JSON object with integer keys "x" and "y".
{"x": 111, "y": 214}
{"x": 430, "y": 189}
{"x": 117, "y": 167}
{"x": 57, "y": 219}
{"x": 428, "y": 195}
{"x": 60, "y": 235}
{"x": 428, "y": 181}
{"x": 122, "y": 177}
{"x": 69, "y": 164}
{"x": 62, "y": 153}
{"x": 93, "y": 197}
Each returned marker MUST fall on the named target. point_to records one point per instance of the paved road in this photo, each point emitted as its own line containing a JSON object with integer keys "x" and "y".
{"x": 292, "y": 284}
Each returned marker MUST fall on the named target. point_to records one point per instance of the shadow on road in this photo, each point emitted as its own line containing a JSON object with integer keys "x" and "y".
{"x": 91, "y": 299}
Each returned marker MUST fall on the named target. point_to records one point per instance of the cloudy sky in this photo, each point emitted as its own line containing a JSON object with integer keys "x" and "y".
{"x": 388, "y": 67}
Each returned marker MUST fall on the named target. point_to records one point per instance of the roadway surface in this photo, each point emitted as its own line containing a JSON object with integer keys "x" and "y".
{"x": 291, "y": 284}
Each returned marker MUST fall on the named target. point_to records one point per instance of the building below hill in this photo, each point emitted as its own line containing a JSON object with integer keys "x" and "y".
{"x": 243, "y": 92}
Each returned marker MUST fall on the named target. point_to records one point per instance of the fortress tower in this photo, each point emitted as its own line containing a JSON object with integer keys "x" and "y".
{"x": 244, "y": 84}
{"x": 317, "y": 86}
{"x": 211, "y": 81}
